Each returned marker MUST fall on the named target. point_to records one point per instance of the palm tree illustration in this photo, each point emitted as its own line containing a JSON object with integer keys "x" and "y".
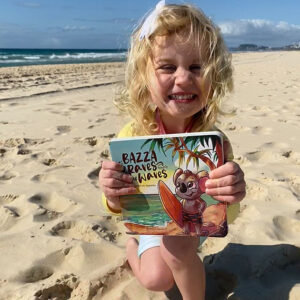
{"x": 187, "y": 149}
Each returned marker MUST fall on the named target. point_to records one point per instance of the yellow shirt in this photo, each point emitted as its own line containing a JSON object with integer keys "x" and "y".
{"x": 232, "y": 209}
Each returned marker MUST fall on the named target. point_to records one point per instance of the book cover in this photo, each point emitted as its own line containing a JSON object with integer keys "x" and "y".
{"x": 170, "y": 172}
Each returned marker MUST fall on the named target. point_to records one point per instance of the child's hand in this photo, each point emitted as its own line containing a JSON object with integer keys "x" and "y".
{"x": 114, "y": 183}
{"x": 226, "y": 183}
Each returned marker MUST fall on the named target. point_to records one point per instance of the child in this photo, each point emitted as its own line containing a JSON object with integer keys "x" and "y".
{"x": 178, "y": 69}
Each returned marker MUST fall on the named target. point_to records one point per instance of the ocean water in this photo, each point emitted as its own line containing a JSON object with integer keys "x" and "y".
{"x": 144, "y": 209}
{"x": 147, "y": 209}
{"x": 26, "y": 57}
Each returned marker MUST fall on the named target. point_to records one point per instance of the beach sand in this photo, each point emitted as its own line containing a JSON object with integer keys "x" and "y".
{"x": 56, "y": 241}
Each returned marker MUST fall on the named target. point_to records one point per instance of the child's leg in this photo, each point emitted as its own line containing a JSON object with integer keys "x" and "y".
{"x": 150, "y": 269}
{"x": 180, "y": 254}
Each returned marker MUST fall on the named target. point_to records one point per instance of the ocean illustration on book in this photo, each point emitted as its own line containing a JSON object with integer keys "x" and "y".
{"x": 170, "y": 172}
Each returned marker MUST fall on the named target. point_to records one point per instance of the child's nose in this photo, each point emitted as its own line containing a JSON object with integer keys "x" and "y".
{"x": 182, "y": 76}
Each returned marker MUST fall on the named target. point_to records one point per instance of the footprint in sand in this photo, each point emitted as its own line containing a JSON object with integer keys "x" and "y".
{"x": 295, "y": 185}
{"x": 92, "y": 141}
{"x": 34, "y": 142}
{"x": 49, "y": 161}
{"x": 256, "y": 190}
{"x": 43, "y": 268}
{"x": 6, "y": 199}
{"x": 22, "y": 142}
{"x": 43, "y": 214}
{"x": 23, "y": 151}
{"x": 56, "y": 104}
{"x": 117, "y": 276}
{"x": 78, "y": 107}
{"x": 50, "y": 206}
{"x": 105, "y": 154}
{"x": 238, "y": 128}
{"x": 8, "y": 175}
{"x": 42, "y": 156}
{"x": 268, "y": 156}
{"x": 62, "y": 113}
{"x": 272, "y": 145}
{"x": 100, "y": 120}
{"x": 8, "y": 217}
{"x": 2, "y": 152}
{"x": 80, "y": 230}
{"x": 93, "y": 176}
{"x": 58, "y": 289}
{"x": 48, "y": 178}
{"x": 286, "y": 228}
{"x": 278, "y": 193}
{"x": 262, "y": 130}
{"x": 34, "y": 274}
{"x": 62, "y": 129}
{"x": 12, "y": 142}
{"x": 109, "y": 136}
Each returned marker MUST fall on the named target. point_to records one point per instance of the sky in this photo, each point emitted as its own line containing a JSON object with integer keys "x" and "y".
{"x": 107, "y": 24}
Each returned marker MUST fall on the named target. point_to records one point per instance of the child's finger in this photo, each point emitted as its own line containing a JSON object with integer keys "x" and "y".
{"x": 115, "y": 192}
{"x": 229, "y": 168}
{"x": 111, "y": 165}
{"x": 231, "y": 198}
{"x": 115, "y": 183}
{"x": 227, "y": 190}
{"x": 116, "y": 175}
{"x": 224, "y": 181}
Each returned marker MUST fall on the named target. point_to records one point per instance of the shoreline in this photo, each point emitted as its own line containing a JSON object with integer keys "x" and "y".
{"x": 111, "y": 60}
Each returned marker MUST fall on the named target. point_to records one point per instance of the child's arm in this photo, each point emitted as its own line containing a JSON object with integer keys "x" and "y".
{"x": 227, "y": 183}
{"x": 114, "y": 183}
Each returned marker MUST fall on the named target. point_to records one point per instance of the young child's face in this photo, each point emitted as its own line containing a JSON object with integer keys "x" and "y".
{"x": 178, "y": 87}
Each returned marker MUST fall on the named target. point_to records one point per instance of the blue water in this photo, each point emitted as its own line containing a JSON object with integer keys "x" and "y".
{"x": 147, "y": 210}
{"x": 26, "y": 57}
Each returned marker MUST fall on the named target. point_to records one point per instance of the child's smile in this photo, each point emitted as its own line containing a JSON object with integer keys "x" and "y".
{"x": 178, "y": 87}
{"x": 182, "y": 97}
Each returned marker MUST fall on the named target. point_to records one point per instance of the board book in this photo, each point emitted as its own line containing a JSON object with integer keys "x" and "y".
{"x": 170, "y": 172}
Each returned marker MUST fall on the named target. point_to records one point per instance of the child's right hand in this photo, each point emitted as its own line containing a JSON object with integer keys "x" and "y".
{"x": 114, "y": 183}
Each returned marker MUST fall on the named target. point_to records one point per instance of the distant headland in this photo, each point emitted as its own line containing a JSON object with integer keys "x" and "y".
{"x": 254, "y": 47}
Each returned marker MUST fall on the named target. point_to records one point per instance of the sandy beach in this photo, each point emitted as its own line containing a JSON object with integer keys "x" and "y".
{"x": 56, "y": 240}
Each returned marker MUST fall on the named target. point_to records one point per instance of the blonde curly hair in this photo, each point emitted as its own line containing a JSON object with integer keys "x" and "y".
{"x": 175, "y": 19}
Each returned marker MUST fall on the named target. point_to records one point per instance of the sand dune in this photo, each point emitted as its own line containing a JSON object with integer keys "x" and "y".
{"x": 55, "y": 124}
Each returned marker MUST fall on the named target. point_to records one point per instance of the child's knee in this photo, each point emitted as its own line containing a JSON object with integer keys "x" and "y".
{"x": 156, "y": 279}
{"x": 179, "y": 252}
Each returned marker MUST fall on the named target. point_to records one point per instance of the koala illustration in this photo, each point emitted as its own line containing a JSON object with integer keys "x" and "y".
{"x": 189, "y": 187}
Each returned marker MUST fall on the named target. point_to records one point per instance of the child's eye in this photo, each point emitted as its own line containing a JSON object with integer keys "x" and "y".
{"x": 195, "y": 67}
{"x": 168, "y": 68}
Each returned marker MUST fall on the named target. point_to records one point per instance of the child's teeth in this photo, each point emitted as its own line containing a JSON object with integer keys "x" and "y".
{"x": 183, "y": 97}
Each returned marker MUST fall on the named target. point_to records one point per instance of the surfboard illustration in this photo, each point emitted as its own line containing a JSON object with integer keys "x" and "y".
{"x": 170, "y": 203}
{"x": 170, "y": 229}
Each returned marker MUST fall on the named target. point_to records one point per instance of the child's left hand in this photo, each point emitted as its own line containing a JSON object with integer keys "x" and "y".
{"x": 226, "y": 183}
